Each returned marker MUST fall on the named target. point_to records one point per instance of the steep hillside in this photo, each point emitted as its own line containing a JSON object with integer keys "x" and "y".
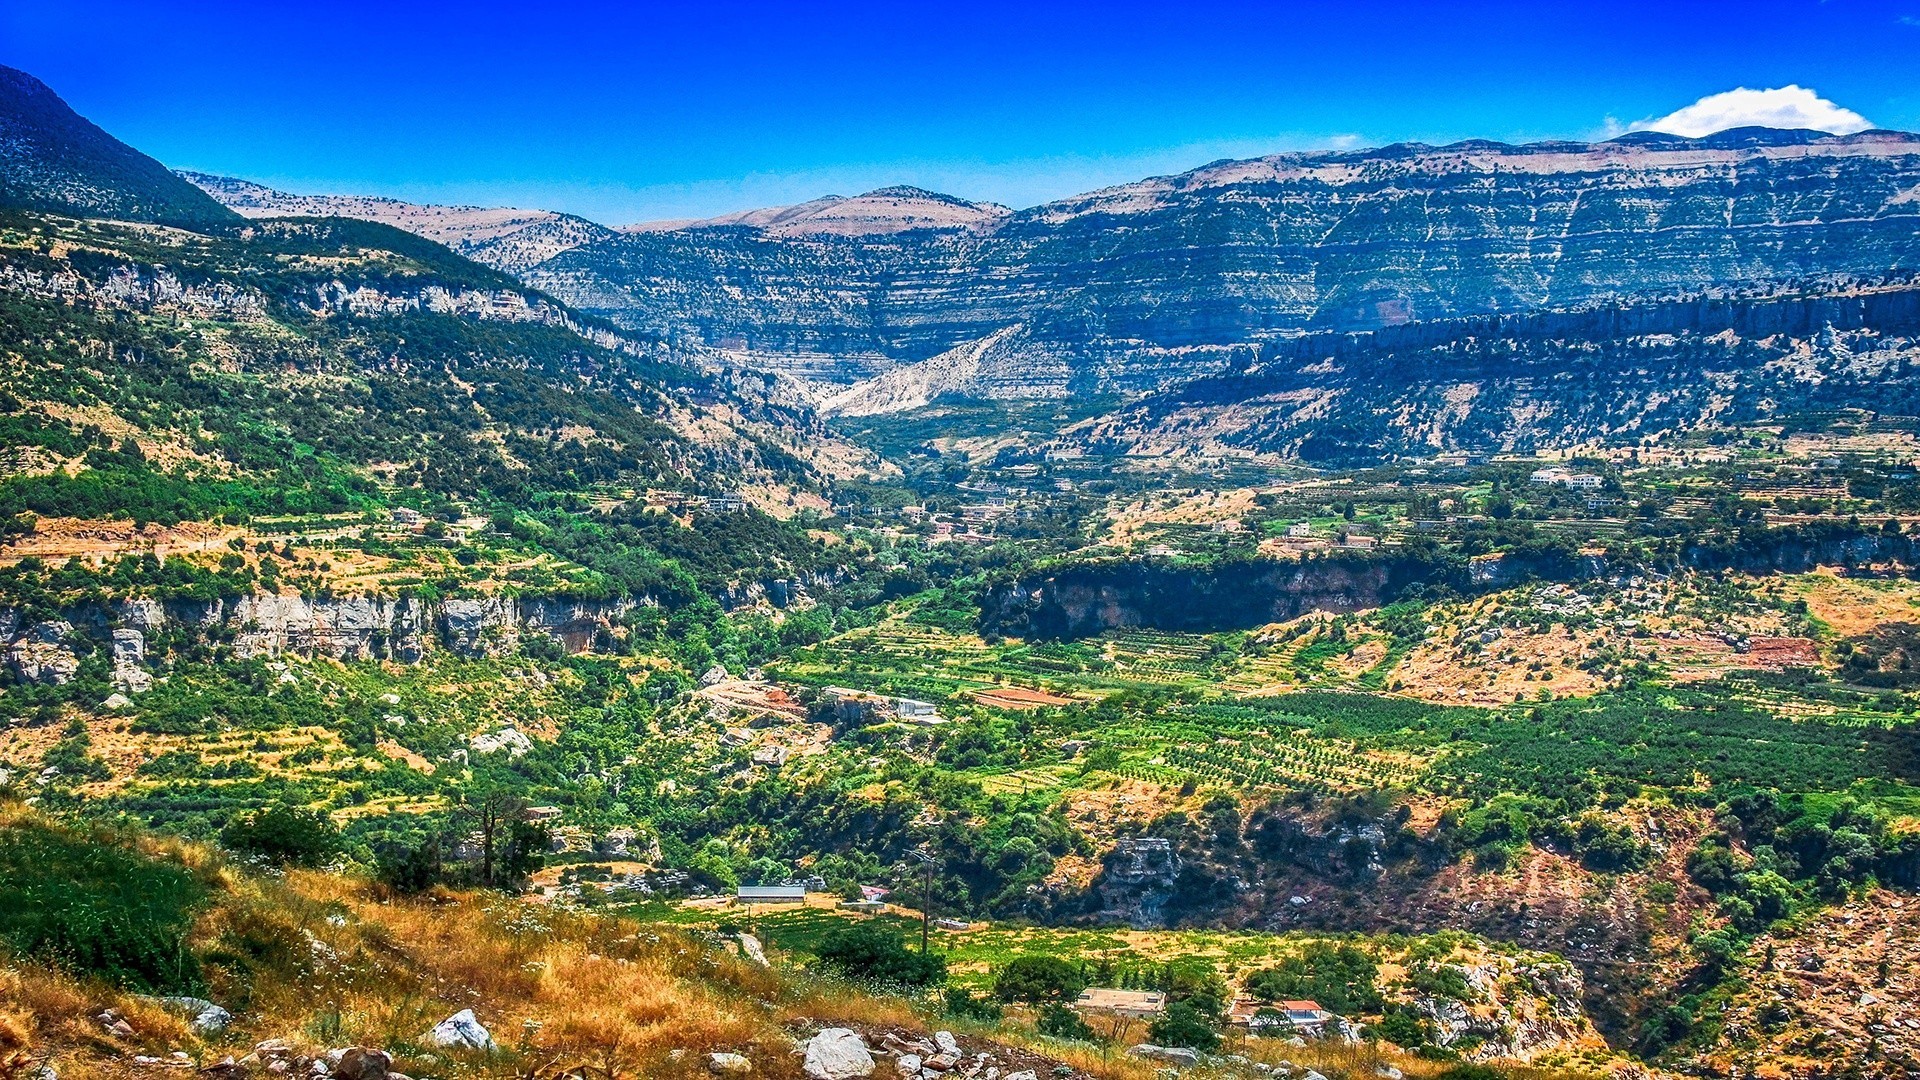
{"x": 1521, "y": 383}
{"x": 1140, "y": 286}
{"x": 503, "y": 238}
{"x": 52, "y": 159}
{"x": 305, "y": 365}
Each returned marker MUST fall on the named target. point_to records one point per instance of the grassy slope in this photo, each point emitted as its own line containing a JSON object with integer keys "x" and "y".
{"x": 321, "y": 960}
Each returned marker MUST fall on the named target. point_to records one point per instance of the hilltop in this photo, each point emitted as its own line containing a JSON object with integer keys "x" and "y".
{"x": 502, "y": 238}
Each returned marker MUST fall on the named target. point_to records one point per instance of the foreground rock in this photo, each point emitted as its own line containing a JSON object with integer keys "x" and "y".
{"x": 1173, "y": 1055}
{"x": 461, "y": 1031}
{"x": 837, "y": 1054}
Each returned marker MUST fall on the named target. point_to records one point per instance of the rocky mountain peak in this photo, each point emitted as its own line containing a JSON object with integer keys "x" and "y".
{"x": 54, "y": 160}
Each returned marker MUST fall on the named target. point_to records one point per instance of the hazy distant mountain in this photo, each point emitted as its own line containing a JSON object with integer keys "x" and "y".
{"x": 876, "y": 213}
{"x": 55, "y": 161}
{"x": 1144, "y": 285}
{"x": 503, "y": 238}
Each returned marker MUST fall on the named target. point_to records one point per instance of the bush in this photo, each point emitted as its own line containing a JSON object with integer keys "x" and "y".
{"x": 409, "y": 868}
{"x": 1059, "y": 1022}
{"x": 1039, "y": 979}
{"x": 876, "y": 953}
{"x": 284, "y": 836}
{"x": 1184, "y": 1025}
{"x": 98, "y": 909}
{"x": 1339, "y": 977}
{"x": 1472, "y": 1072}
{"x": 963, "y": 1005}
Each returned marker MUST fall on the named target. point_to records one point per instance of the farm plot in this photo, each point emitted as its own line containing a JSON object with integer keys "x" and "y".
{"x": 903, "y": 657}
{"x": 1234, "y": 746}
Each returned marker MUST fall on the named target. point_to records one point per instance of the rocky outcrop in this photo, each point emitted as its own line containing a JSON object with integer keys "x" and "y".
{"x": 1092, "y": 597}
{"x": 129, "y": 661}
{"x": 271, "y": 625}
{"x": 43, "y": 654}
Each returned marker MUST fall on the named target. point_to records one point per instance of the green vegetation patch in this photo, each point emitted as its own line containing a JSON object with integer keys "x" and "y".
{"x": 97, "y": 908}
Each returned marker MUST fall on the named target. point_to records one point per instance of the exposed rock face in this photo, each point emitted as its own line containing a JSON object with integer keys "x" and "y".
{"x": 1518, "y": 383}
{"x": 348, "y": 628}
{"x": 1137, "y": 878}
{"x": 42, "y": 655}
{"x": 344, "y": 628}
{"x": 1158, "y": 282}
{"x": 129, "y": 656}
{"x": 1087, "y": 599}
{"x": 483, "y": 627}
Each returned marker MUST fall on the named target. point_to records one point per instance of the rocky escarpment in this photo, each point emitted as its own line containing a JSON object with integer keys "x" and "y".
{"x": 503, "y": 238}
{"x": 405, "y": 630}
{"x": 1155, "y": 283}
{"x": 1091, "y": 597}
{"x": 1518, "y": 383}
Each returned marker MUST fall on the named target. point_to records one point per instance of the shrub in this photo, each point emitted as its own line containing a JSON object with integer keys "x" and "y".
{"x": 1060, "y": 1022}
{"x": 409, "y": 868}
{"x": 1039, "y": 979}
{"x": 875, "y": 952}
{"x": 962, "y": 1004}
{"x": 1184, "y": 1025}
{"x": 284, "y": 836}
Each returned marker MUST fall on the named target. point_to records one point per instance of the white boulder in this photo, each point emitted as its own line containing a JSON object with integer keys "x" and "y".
{"x": 837, "y": 1054}
{"x": 461, "y": 1031}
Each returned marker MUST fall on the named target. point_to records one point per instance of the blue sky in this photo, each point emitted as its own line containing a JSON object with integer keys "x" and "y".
{"x": 626, "y": 112}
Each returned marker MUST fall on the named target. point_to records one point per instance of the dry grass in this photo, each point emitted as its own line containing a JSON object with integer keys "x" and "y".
{"x": 322, "y": 961}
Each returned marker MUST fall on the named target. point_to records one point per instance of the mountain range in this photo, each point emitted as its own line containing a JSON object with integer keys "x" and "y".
{"x": 1202, "y": 300}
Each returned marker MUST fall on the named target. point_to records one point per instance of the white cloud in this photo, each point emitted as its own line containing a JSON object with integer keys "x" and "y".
{"x": 1784, "y": 107}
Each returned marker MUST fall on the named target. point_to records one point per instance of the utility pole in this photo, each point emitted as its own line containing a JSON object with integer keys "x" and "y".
{"x": 926, "y": 899}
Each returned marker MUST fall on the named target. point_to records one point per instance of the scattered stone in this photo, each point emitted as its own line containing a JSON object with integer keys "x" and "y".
{"x": 1311, "y": 1075}
{"x": 461, "y": 1031}
{"x": 1023, "y": 1074}
{"x": 1175, "y": 1055}
{"x": 360, "y": 1063}
{"x": 947, "y": 1043}
{"x": 942, "y": 1062}
{"x": 203, "y": 1016}
{"x": 726, "y": 1064}
{"x": 907, "y": 1065}
{"x": 837, "y": 1054}
{"x": 1389, "y": 1072}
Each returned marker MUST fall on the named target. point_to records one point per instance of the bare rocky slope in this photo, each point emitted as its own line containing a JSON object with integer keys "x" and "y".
{"x": 1142, "y": 286}
{"x": 503, "y": 238}
{"x": 1520, "y": 383}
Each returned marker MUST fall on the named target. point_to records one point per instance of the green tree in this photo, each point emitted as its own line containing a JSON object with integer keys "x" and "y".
{"x": 1038, "y": 979}
{"x": 875, "y": 952}
{"x": 1184, "y": 1025}
{"x": 284, "y": 835}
